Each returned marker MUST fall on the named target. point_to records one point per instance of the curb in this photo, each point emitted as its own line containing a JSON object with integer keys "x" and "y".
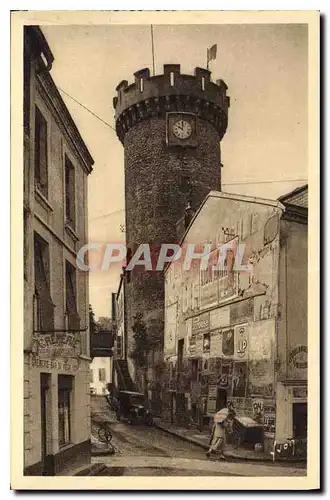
{"x": 227, "y": 454}
{"x": 101, "y": 453}
{"x": 180, "y": 436}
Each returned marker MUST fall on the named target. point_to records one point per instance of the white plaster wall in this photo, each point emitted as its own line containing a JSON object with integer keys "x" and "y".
{"x": 98, "y": 386}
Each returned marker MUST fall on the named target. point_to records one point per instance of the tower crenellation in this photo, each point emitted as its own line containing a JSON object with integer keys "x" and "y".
{"x": 156, "y": 95}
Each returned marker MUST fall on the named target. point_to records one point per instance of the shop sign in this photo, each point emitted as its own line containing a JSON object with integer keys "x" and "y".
{"x": 70, "y": 367}
{"x": 57, "y": 345}
{"x": 241, "y": 312}
{"x": 298, "y": 357}
{"x": 201, "y": 323}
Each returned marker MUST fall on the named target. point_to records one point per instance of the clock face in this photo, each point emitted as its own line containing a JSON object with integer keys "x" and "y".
{"x": 182, "y": 129}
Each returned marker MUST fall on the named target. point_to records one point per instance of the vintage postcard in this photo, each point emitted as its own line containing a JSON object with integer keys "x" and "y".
{"x": 165, "y": 250}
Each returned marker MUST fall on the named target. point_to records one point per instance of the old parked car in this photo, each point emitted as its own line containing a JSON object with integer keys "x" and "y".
{"x": 132, "y": 408}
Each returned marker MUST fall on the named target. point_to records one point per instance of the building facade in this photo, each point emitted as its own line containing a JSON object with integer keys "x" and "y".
{"x": 236, "y": 334}
{"x": 101, "y": 375}
{"x": 56, "y": 318}
{"x": 170, "y": 126}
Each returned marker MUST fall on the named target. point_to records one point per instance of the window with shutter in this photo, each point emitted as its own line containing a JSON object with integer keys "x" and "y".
{"x": 40, "y": 153}
{"x": 44, "y": 303}
{"x": 102, "y": 374}
{"x": 70, "y": 193}
{"x": 71, "y": 299}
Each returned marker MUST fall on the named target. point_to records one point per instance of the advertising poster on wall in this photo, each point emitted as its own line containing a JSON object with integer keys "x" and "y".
{"x": 201, "y": 323}
{"x": 206, "y": 343}
{"x": 261, "y": 340}
{"x": 241, "y": 342}
{"x": 269, "y": 417}
{"x": 261, "y": 378}
{"x": 228, "y": 345}
{"x": 239, "y": 379}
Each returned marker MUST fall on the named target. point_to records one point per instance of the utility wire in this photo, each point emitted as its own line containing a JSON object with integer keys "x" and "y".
{"x": 224, "y": 184}
{"x": 89, "y": 111}
{"x": 262, "y": 182}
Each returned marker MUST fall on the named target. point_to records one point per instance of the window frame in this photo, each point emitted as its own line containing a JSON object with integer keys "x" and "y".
{"x": 45, "y": 260}
{"x": 74, "y": 282}
{"x": 41, "y": 188}
{"x": 69, "y": 221}
{"x": 67, "y": 389}
{"x": 103, "y": 378}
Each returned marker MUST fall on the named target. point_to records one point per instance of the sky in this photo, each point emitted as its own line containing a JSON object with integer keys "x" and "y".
{"x": 265, "y": 149}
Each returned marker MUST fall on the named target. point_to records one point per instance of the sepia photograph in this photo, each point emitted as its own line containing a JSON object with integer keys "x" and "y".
{"x": 165, "y": 181}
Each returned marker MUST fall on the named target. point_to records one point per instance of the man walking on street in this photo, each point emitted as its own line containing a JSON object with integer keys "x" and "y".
{"x": 222, "y": 421}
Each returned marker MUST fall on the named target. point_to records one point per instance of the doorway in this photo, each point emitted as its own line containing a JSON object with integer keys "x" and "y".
{"x": 221, "y": 399}
{"x": 180, "y": 353}
{"x": 299, "y": 420}
{"x": 46, "y": 458}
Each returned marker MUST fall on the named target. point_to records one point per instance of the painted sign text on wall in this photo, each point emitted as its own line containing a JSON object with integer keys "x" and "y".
{"x": 58, "y": 345}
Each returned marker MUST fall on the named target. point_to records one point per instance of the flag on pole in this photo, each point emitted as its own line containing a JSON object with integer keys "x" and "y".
{"x": 211, "y": 54}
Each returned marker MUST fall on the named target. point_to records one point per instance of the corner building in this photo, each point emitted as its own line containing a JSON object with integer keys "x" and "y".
{"x": 56, "y": 317}
{"x": 170, "y": 126}
{"x": 237, "y": 336}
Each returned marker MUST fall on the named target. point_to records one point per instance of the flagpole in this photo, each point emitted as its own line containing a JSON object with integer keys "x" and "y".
{"x": 152, "y": 49}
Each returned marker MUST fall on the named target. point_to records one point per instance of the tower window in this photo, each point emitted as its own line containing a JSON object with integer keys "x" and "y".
{"x": 141, "y": 84}
{"x": 171, "y": 79}
{"x": 185, "y": 184}
{"x": 203, "y": 82}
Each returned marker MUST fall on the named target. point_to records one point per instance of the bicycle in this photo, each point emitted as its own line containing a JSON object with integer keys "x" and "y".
{"x": 104, "y": 435}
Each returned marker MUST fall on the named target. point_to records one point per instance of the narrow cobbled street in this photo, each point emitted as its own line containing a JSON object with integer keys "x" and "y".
{"x": 145, "y": 451}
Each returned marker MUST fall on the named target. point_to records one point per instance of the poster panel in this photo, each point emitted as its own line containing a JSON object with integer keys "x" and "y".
{"x": 239, "y": 379}
{"x": 241, "y": 342}
{"x": 228, "y": 344}
{"x": 261, "y": 378}
{"x": 219, "y": 317}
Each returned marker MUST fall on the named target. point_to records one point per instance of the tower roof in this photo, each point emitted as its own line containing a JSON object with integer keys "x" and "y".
{"x": 171, "y": 91}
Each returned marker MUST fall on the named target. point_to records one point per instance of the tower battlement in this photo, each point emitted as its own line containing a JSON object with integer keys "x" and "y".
{"x": 155, "y": 95}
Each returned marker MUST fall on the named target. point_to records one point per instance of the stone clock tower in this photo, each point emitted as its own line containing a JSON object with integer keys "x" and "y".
{"x": 170, "y": 126}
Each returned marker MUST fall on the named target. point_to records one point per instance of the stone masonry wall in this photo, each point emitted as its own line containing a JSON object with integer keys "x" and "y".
{"x": 155, "y": 201}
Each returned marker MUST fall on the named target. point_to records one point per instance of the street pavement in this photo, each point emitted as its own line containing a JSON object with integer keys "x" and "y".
{"x": 145, "y": 451}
